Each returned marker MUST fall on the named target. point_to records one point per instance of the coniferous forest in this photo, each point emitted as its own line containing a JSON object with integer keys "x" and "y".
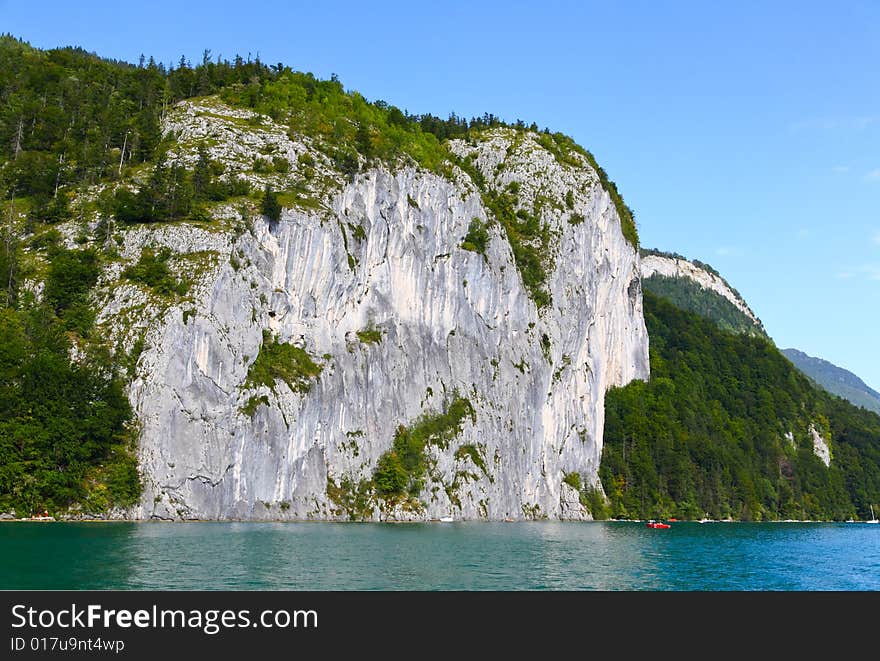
{"x": 722, "y": 429}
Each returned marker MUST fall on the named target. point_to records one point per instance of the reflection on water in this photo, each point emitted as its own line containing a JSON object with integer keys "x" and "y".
{"x": 607, "y": 556}
{"x": 40, "y": 556}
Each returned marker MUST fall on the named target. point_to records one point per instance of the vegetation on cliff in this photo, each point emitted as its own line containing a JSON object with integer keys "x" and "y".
{"x": 72, "y": 120}
{"x": 281, "y": 361}
{"x": 401, "y": 470}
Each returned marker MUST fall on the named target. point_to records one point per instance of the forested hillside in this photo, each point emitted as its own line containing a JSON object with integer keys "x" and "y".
{"x": 723, "y": 428}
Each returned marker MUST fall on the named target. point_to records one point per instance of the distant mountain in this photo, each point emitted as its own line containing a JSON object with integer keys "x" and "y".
{"x": 835, "y": 380}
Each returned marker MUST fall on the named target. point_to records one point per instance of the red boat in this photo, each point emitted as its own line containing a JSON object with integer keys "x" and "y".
{"x": 657, "y": 524}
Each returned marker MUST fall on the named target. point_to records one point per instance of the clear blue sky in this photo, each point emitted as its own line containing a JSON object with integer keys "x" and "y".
{"x": 744, "y": 134}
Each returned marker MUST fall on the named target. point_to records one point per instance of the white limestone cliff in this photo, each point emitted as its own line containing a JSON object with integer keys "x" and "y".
{"x": 381, "y": 250}
{"x": 821, "y": 447}
{"x": 674, "y": 267}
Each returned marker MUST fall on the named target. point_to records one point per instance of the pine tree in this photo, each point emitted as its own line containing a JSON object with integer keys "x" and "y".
{"x": 201, "y": 179}
{"x": 270, "y": 207}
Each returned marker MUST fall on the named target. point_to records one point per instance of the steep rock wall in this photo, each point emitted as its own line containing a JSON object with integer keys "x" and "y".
{"x": 382, "y": 251}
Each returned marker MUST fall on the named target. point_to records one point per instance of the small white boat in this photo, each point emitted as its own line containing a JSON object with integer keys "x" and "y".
{"x": 873, "y": 518}
{"x": 446, "y": 519}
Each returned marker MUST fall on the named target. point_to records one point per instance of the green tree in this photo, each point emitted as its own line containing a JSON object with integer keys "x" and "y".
{"x": 202, "y": 176}
{"x": 269, "y": 206}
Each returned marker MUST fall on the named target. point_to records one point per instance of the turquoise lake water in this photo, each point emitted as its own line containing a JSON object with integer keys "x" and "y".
{"x": 606, "y": 556}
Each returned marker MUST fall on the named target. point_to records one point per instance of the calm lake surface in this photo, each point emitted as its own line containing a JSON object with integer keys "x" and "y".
{"x": 440, "y": 556}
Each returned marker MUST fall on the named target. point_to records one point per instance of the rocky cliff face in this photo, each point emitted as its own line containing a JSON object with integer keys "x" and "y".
{"x": 368, "y": 276}
{"x": 673, "y": 267}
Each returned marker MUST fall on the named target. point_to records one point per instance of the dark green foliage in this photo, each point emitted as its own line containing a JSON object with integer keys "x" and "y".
{"x": 253, "y": 403}
{"x": 152, "y": 270}
{"x": 473, "y": 453}
{"x": 208, "y": 186}
{"x": 270, "y": 206}
{"x": 402, "y": 468}
{"x": 72, "y": 273}
{"x": 370, "y": 335}
{"x": 353, "y": 498}
{"x": 47, "y": 242}
{"x": 594, "y": 501}
{"x": 707, "y": 433}
{"x": 70, "y": 118}
{"x": 9, "y": 273}
{"x": 688, "y": 295}
{"x": 363, "y": 141}
{"x": 574, "y": 480}
{"x": 856, "y": 452}
{"x": 477, "y": 237}
{"x": 202, "y": 175}
{"x": 390, "y": 476}
{"x": 223, "y": 189}
{"x": 282, "y": 362}
{"x": 63, "y": 439}
{"x": 66, "y": 102}
{"x": 167, "y": 195}
{"x": 346, "y": 162}
{"x": 62, "y": 424}
{"x": 50, "y": 210}
{"x": 123, "y": 478}
{"x": 199, "y": 214}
